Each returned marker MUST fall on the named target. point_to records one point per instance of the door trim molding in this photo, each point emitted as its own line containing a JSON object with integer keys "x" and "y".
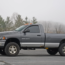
{"x": 37, "y": 44}
{"x": 31, "y": 44}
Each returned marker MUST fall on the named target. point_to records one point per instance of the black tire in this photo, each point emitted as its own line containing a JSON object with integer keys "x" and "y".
{"x": 52, "y": 51}
{"x": 9, "y": 51}
{"x": 2, "y": 52}
{"x": 61, "y": 52}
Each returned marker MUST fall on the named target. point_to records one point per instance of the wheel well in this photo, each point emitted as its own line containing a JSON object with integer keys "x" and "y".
{"x": 12, "y": 40}
{"x": 62, "y": 41}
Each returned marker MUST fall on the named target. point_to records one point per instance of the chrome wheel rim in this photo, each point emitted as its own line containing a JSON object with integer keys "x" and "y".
{"x": 12, "y": 49}
{"x": 63, "y": 49}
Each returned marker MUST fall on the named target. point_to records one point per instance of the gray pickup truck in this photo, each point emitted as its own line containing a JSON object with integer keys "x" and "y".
{"x": 31, "y": 37}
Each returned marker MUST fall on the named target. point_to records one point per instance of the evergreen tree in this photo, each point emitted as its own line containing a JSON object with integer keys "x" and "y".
{"x": 8, "y": 24}
{"x": 18, "y": 21}
{"x": 34, "y": 21}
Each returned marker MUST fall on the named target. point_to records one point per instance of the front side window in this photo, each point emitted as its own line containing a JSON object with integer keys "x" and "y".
{"x": 34, "y": 29}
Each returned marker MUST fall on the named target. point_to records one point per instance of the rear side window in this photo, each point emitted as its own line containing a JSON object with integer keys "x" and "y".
{"x": 34, "y": 29}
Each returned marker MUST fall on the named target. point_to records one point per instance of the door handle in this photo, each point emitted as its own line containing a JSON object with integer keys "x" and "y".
{"x": 38, "y": 35}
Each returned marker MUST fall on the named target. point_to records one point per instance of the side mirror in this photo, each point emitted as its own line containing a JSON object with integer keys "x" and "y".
{"x": 27, "y": 30}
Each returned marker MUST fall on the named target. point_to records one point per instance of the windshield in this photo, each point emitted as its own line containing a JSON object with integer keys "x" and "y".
{"x": 20, "y": 28}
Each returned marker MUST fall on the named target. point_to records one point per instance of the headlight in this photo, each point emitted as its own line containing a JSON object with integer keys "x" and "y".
{"x": 2, "y": 38}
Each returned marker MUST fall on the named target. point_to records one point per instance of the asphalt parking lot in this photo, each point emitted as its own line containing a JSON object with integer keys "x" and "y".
{"x": 33, "y": 57}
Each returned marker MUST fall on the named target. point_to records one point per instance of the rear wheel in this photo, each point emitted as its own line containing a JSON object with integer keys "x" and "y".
{"x": 52, "y": 51}
{"x": 12, "y": 49}
{"x": 62, "y": 49}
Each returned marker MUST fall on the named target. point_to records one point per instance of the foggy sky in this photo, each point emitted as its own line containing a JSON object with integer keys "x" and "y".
{"x": 43, "y": 10}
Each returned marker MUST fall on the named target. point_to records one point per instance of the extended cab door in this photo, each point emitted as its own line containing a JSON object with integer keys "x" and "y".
{"x": 32, "y": 38}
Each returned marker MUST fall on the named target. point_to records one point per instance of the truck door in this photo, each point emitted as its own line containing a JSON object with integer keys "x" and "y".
{"x": 32, "y": 38}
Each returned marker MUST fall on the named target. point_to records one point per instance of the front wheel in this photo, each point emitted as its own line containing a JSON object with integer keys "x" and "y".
{"x": 52, "y": 51}
{"x": 12, "y": 49}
